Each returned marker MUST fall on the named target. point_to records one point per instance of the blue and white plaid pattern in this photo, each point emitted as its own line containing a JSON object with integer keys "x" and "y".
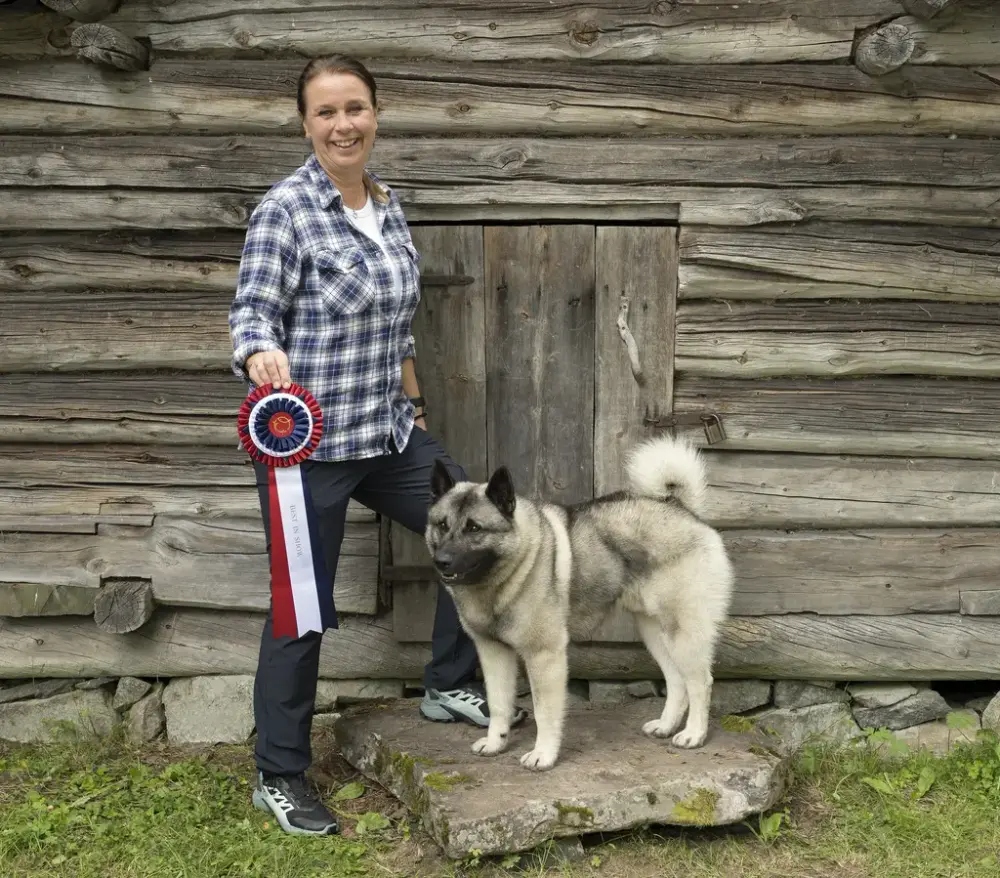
{"x": 315, "y": 287}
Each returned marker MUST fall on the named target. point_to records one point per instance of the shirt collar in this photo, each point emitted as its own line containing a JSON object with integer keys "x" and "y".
{"x": 328, "y": 193}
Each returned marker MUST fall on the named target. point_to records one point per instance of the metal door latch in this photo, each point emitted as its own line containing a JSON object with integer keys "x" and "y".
{"x": 709, "y": 421}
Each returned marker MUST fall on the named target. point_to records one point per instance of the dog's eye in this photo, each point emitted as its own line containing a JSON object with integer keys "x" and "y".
{"x": 471, "y": 527}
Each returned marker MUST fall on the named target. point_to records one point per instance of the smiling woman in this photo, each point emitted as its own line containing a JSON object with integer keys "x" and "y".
{"x": 340, "y": 116}
{"x": 326, "y": 292}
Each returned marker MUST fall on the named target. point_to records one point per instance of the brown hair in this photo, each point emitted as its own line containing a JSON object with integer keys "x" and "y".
{"x": 335, "y": 63}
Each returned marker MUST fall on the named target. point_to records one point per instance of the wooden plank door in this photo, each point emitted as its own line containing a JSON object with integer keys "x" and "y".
{"x": 540, "y": 357}
{"x": 449, "y": 330}
{"x": 640, "y": 264}
{"x": 519, "y": 354}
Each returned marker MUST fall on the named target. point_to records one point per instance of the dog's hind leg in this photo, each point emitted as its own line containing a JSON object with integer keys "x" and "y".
{"x": 657, "y": 641}
{"x": 692, "y": 649}
{"x": 548, "y": 673}
{"x": 499, "y": 664}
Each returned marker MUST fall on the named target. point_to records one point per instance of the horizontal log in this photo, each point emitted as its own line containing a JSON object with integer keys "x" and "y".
{"x": 759, "y": 490}
{"x": 814, "y": 260}
{"x": 131, "y": 470}
{"x": 219, "y": 563}
{"x": 30, "y": 35}
{"x": 32, "y": 509}
{"x": 874, "y": 572}
{"x": 830, "y": 260}
{"x": 101, "y": 479}
{"x": 252, "y": 163}
{"x": 36, "y": 599}
{"x": 34, "y": 266}
{"x": 196, "y": 642}
{"x": 558, "y": 98}
{"x": 832, "y": 338}
{"x": 100, "y": 209}
{"x": 624, "y": 30}
{"x": 910, "y": 417}
{"x": 968, "y": 35}
{"x": 198, "y": 271}
{"x": 100, "y": 330}
{"x": 868, "y": 572}
{"x": 981, "y": 603}
{"x": 191, "y": 643}
{"x": 679, "y": 33}
{"x": 881, "y": 416}
{"x": 157, "y": 209}
{"x": 748, "y": 489}
{"x": 131, "y": 408}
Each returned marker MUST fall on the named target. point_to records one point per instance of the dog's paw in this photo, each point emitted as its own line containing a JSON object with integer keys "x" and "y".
{"x": 689, "y": 739}
{"x": 485, "y": 747}
{"x": 657, "y": 728}
{"x": 538, "y": 760}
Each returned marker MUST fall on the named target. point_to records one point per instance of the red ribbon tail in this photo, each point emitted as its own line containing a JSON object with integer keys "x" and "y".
{"x": 283, "y": 621}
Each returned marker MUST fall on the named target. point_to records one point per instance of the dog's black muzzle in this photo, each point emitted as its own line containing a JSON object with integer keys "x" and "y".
{"x": 467, "y": 568}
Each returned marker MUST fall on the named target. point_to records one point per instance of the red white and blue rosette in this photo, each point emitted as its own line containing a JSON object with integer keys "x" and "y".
{"x": 281, "y": 428}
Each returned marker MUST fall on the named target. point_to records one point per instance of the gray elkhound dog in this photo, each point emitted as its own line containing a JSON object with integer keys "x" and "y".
{"x": 528, "y": 577}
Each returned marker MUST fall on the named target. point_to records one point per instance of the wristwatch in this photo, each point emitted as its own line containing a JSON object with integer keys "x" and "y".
{"x": 418, "y": 402}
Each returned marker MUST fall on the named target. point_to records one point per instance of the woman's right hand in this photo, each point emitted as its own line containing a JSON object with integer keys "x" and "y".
{"x": 269, "y": 367}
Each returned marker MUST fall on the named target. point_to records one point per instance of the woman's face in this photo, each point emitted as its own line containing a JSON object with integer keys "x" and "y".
{"x": 340, "y": 121}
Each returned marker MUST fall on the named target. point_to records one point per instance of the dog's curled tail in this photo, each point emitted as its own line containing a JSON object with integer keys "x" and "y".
{"x": 666, "y": 467}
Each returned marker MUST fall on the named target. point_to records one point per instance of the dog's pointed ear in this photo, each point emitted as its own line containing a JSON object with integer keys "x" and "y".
{"x": 441, "y": 480}
{"x": 500, "y": 491}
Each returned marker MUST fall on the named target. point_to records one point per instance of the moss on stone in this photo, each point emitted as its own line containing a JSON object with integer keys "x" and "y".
{"x": 573, "y": 815}
{"x": 437, "y": 780}
{"x": 698, "y": 809}
{"x": 733, "y": 723}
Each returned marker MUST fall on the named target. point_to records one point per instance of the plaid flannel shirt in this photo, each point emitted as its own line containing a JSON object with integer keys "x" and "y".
{"x": 311, "y": 284}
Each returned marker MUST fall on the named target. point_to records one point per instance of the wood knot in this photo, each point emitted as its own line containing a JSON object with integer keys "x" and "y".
{"x": 512, "y": 158}
{"x": 58, "y": 38}
{"x": 663, "y": 7}
{"x": 587, "y": 33}
{"x": 242, "y": 37}
{"x": 22, "y": 270}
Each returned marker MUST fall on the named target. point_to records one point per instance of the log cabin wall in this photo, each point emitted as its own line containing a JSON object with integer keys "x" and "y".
{"x": 799, "y": 197}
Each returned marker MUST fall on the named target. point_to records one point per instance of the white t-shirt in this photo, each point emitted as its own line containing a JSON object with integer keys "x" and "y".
{"x": 366, "y": 222}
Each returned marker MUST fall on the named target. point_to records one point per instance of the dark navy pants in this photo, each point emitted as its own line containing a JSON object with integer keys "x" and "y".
{"x": 396, "y": 486}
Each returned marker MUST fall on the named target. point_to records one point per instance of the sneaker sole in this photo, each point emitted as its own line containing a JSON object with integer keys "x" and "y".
{"x": 261, "y": 804}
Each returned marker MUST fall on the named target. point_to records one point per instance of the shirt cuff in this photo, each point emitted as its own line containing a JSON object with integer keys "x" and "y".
{"x": 246, "y": 350}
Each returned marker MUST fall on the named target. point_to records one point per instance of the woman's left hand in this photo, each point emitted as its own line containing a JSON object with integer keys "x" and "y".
{"x": 419, "y": 422}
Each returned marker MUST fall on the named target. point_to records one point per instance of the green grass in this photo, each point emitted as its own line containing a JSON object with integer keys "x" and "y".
{"x": 87, "y": 809}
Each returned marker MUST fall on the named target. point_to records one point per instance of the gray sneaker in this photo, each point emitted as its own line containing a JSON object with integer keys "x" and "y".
{"x": 294, "y": 805}
{"x": 465, "y": 704}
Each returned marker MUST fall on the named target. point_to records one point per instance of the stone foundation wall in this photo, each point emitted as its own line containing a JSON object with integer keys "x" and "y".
{"x": 219, "y": 709}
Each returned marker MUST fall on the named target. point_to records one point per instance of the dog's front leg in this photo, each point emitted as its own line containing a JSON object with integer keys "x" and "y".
{"x": 548, "y": 672}
{"x": 499, "y": 664}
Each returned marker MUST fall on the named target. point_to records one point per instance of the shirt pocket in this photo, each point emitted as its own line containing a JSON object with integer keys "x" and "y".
{"x": 346, "y": 286}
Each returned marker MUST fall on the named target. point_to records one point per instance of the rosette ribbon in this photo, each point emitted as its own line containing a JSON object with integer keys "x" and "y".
{"x": 281, "y": 429}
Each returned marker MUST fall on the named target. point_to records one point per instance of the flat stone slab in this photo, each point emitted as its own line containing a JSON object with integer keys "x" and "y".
{"x": 609, "y": 776}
